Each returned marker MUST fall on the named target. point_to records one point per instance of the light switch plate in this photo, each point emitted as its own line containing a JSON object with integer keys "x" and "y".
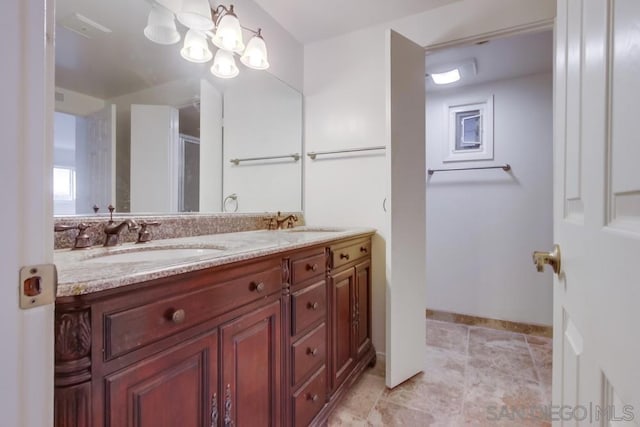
{"x": 38, "y": 284}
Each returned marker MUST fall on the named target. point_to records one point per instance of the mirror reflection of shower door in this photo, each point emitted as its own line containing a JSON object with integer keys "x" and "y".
{"x": 189, "y": 188}
{"x": 95, "y": 160}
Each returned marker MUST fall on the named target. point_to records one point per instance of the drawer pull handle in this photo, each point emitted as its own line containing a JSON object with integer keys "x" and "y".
{"x": 364, "y": 249}
{"x": 313, "y": 306}
{"x": 313, "y": 397}
{"x": 258, "y": 287}
{"x": 312, "y": 267}
{"x": 344, "y": 256}
{"x": 312, "y": 352}
{"x": 178, "y": 316}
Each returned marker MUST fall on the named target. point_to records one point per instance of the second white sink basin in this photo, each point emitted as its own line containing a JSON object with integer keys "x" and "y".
{"x": 152, "y": 255}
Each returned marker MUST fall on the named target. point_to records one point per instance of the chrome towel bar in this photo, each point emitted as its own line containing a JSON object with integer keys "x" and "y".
{"x": 294, "y": 156}
{"x": 312, "y": 155}
{"x": 506, "y": 167}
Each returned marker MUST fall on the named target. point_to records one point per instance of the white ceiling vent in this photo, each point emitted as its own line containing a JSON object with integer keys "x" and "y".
{"x": 84, "y": 26}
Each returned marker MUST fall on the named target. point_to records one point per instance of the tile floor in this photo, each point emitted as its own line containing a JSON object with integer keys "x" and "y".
{"x": 471, "y": 376}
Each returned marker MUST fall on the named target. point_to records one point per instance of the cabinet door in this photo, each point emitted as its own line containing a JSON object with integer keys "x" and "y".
{"x": 363, "y": 307}
{"x": 342, "y": 316}
{"x": 251, "y": 368}
{"x": 177, "y": 387}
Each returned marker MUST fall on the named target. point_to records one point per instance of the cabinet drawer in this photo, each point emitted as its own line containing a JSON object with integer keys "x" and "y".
{"x": 135, "y": 327}
{"x": 308, "y": 305}
{"x": 308, "y": 353}
{"x": 310, "y": 399}
{"x": 308, "y": 267}
{"x": 344, "y": 254}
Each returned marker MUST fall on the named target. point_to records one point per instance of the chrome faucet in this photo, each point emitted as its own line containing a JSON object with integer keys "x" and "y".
{"x": 113, "y": 230}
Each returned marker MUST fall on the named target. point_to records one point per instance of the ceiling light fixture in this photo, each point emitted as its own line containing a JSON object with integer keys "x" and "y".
{"x": 446, "y": 77}
{"x": 444, "y": 74}
{"x": 220, "y": 26}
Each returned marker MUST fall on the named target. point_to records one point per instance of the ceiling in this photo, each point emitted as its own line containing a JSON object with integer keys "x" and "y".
{"x": 313, "y": 20}
{"x": 119, "y": 62}
{"x": 498, "y": 59}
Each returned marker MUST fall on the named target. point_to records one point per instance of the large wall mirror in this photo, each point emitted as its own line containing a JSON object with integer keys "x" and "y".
{"x": 139, "y": 127}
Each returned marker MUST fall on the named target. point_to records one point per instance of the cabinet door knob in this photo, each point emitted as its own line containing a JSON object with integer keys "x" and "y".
{"x": 178, "y": 316}
{"x": 363, "y": 249}
{"x": 313, "y": 397}
{"x": 312, "y": 267}
{"x": 344, "y": 256}
{"x": 258, "y": 287}
{"x": 312, "y": 352}
{"x": 313, "y": 305}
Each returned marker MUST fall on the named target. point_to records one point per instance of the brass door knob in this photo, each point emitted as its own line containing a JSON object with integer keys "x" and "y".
{"x": 553, "y": 258}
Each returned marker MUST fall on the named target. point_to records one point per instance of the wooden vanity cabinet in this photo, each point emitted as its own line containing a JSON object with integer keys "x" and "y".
{"x": 177, "y": 387}
{"x": 350, "y": 290}
{"x": 273, "y": 341}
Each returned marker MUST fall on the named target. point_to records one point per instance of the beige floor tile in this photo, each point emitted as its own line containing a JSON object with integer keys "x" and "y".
{"x": 389, "y": 414}
{"x": 494, "y": 397}
{"x": 342, "y": 417}
{"x": 363, "y": 395}
{"x": 444, "y": 365}
{"x": 468, "y": 372}
{"x": 448, "y": 336}
{"x": 515, "y": 364}
{"x": 436, "y": 397}
{"x": 485, "y": 338}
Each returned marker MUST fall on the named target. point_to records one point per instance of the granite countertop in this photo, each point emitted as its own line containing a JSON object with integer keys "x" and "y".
{"x": 97, "y": 269}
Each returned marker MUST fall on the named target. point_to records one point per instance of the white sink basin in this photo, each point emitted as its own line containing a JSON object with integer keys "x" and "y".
{"x": 153, "y": 255}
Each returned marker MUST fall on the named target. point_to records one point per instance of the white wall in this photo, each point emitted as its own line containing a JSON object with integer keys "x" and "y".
{"x": 77, "y": 103}
{"x": 483, "y": 225}
{"x": 286, "y": 56}
{"x": 210, "y": 148}
{"x": 263, "y": 118}
{"x": 344, "y": 87}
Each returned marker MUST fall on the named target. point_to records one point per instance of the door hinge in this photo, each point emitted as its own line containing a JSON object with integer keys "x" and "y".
{"x": 38, "y": 285}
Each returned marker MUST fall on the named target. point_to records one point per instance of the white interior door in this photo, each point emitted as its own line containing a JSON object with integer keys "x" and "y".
{"x": 95, "y": 160}
{"x": 26, "y": 360}
{"x": 406, "y": 245}
{"x": 597, "y": 212}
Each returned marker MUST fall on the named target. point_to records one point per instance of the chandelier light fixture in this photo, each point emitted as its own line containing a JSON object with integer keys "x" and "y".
{"x": 219, "y": 26}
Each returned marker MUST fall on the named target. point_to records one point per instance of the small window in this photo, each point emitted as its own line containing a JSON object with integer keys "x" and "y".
{"x": 64, "y": 184}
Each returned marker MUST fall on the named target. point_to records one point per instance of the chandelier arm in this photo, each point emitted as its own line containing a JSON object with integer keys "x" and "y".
{"x": 257, "y": 32}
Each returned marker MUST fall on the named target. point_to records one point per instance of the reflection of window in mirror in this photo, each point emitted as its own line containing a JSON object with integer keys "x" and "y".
{"x": 64, "y": 159}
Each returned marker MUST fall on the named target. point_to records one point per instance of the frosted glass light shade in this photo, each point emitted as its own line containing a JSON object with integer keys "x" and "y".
{"x": 224, "y": 65}
{"x": 255, "y": 55}
{"x": 195, "y": 47}
{"x": 196, "y": 14}
{"x": 228, "y": 35}
{"x": 161, "y": 28}
{"x": 446, "y": 77}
